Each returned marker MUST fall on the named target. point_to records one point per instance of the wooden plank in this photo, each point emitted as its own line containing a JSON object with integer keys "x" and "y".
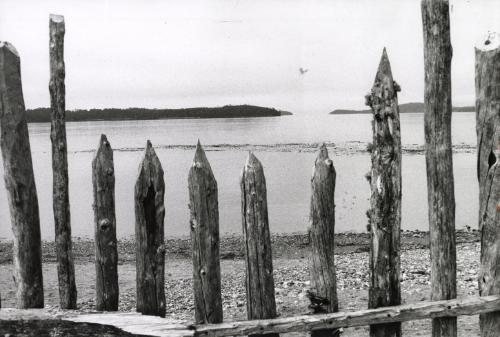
{"x": 156, "y": 326}
{"x": 408, "y": 312}
{"x": 323, "y": 293}
{"x": 149, "y": 235}
{"x": 385, "y": 201}
{"x": 204, "y": 229}
{"x": 488, "y": 136}
{"x": 106, "y": 250}
{"x": 20, "y": 182}
{"x": 62, "y": 218}
{"x": 259, "y": 279}
{"x": 438, "y": 156}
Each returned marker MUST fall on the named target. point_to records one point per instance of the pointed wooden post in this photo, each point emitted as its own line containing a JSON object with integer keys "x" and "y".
{"x": 488, "y": 143}
{"x": 149, "y": 235}
{"x": 20, "y": 182}
{"x": 385, "y": 201}
{"x": 323, "y": 294}
{"x": 438, "y": 156}
{"x": 106, "y": 250}
{"x": 258, "y": 257}
{"x": 62, "y": 218}
{"x": 204, "y": 228}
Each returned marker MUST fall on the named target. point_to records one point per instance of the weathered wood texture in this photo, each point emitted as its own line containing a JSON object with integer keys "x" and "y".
{"x": 106, "y": 250}
{"x": 149, "y": 235}
{"x": 385, "y": 201}
{"x": 20, "y": 182}
{"x": 488, "y": 140}
{"x": 156, "y": 326}
{"x": 487, "y": 104}
{"x": 258, "y": 257}
{"x": 60, "y": 191}
{"x": 384, "y": 315}
{"x": 438, "y": 156}
{"x": 323, "y": 293}
{"x": 204, "y": 229}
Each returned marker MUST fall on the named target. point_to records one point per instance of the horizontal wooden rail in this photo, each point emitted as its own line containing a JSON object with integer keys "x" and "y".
{"x": 408, "y": 312}
{"x": 156, "y": 326}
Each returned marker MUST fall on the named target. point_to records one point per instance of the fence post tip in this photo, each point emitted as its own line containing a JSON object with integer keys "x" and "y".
{"x": 252, "y": 161}
{"x": 56, "y": 18}
{"x": 323, "y": 152}
{"x": 488, "y": 42}
{"x": 7, "y": 46}
{"x": 200, "y": 158}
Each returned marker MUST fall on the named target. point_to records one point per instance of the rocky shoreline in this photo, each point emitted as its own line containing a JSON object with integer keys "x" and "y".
{"x": 293, "y": 245}
{"x": 291, "y": 276}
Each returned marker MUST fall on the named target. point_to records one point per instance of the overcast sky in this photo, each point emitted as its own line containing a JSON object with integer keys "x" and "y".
{"x": 181, "y": 53}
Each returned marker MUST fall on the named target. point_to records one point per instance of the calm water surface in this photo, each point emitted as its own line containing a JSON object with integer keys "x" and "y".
{"x": 287, "y": 173}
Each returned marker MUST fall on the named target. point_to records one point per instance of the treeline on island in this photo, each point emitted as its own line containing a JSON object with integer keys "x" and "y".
{"x": 403, "y": 108}
{"x": 41, "y": 115}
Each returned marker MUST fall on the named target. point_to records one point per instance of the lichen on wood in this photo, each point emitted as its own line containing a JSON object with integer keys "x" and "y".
{"x": 488, "y": 171}
{"x": 204, "y": 229}
{"x": 106, "y": 250}
{"x": 438, "y": 155}
{"x": 149, "y": 235}
{"x": 20, "y": 182}
{"x": 259, "y": 279}
{"x": 323, "y": 293}
{"x": 385, "y": 201}
{"x": 62, "y": 217}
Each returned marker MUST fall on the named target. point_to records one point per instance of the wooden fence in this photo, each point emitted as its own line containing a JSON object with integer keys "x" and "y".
{"x": 385, "y": 311}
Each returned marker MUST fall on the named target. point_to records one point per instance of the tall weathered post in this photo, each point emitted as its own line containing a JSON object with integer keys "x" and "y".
{"x": 20, "y": 182}
{"x": 106, "y": 250}
{"x": 258, "y": 257}
{"x": 149, "y": 235}
{"x": 385, "y": 201}
{"x": 323, "y": 294}
{"x": 488, "y": 171}
{"x": 62, "y": 218}
{"x": 204, "y": 228}
{"x": 438, "y": 156}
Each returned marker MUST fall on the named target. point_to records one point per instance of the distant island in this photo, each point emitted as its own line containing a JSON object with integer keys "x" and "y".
{"x": 403, "y": 108}
{"x": 42, "y": 115}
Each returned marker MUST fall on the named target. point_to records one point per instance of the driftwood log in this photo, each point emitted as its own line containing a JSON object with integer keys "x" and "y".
{"x": 385, "y": 201}
{"x": 62, "y": 218}
{"x": 438, "y": 156}
{"x": 20, "y": 182}
{"x": 149, "y": 235}
{"x": 323, "y": 294}
{"x": 106, "y": 250}
{"x": 259, "y": 279}
{"x": 488, "y": 142}
{"x": 204, "y": 229}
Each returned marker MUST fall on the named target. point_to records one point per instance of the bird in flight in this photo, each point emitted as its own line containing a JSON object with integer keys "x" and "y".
{"x": 303, "y": 71}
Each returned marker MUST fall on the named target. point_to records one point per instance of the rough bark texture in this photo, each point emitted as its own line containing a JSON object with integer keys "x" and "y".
{"x": 149, "y": 235}
{"x": 488, "y": 166}
{"x": 438, "y": 155}
{"x": 106, "y": 250}
{"x": 62, "y": 218}
{"x": 487, "y": 104}
{"x": 20, "y": 182}
{"x": 323, "y": 294}
{"x": 204, "y": 228}
{"x": 258, "y": 257}
{"x": 385, "y": 202}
